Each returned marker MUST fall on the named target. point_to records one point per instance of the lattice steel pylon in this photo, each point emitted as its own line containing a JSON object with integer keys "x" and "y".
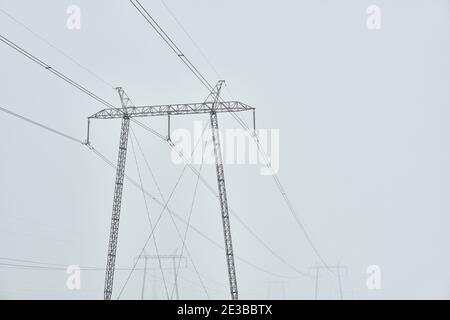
{"x": 117, "y": 200}
{"x": 223, "y": 194}
{"x": 213, "y": 105}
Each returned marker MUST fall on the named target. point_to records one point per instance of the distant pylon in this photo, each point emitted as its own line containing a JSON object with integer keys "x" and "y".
{"x": 338, "y": 269}
{"x": 174, "y": 258}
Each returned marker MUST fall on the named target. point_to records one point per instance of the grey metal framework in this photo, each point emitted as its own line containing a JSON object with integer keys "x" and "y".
{"x": 117, "y": 200}
{"x": 223, "y": 195}
{"x": 338, "y": 269}
{"x": 173, "y": 109}
{"x": 213, "y": 105}
{"x": 174, "y": 258}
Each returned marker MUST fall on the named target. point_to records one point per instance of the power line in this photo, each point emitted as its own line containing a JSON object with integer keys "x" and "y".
{"x": 28, "y": 264}
{"x": 188, "y": 225}
{"x": 210, "y": 88}
{"x": 16, "y": 266}
{"x": 190, "y": 166}
{"x": 55, "y": 72}
{"x": 38, "y": 36}
{"x": 166, "y": 38}
{"x": 236, "y": 216}
{"x": 76, "y": 140}
{"x": 91, "y": 94}
{"x": 33, "y": 267}
{"x": 176, "y": 228}
{"x": 101, "y": 156}
{"x": 148, "y": 213}
{"x": 150, "y": 169}
{"x": 199, "y": 49}
{"x": 187, "y": 251}
{"x": 189, "y": 217}
{"x": 43, "y": 126}
{"x": 162, "y": 204}
{"x": 110, "y": 163}
{"x": 56, "y": 266}
{"x": 70, "y": 81}
{"x": 178, "y": 22}
{"x": 170, "y": 43}
{"x": 153, "y": 229}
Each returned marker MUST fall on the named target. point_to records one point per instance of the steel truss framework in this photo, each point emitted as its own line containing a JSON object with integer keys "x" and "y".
{"x": 173, "y": 109}
{"x": 213, "y": 105}
{"x": 117, "y": 200}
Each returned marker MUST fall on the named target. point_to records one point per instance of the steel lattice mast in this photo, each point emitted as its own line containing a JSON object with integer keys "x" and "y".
{"x": 117, "y": 200}
{"x": 223, "y": 194}
{"x": 213, "y": 105}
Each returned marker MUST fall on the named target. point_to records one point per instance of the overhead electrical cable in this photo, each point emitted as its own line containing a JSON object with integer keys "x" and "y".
{"x": 136, "y": 184}
{"x": 28, "y": 264}
{"x": 188, "y": 226}
{"x": 47, "y": 67}
{"x": 71, "y": 81}
{"x": 160, "y": 31}
{"x": 41, "y": 38}
{"x": 148, "y": 213}
{"x": 151, "y": 233}
{"x": 62, "y": 134}
{"x": 176, "y": 227}
{"x": 54, "y": 71}
{"x": 189, "y": 217}
{"x": 202, "y": 53}
{"x": 237, "y": 216}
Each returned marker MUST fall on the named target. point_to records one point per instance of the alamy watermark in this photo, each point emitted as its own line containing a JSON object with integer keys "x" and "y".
{"x": 74, "y": 20}
{"x": 73, "y": 281}
{"x": 373, "y": 282}
{"x": 238, "y": 146}
{"x": 373, "y": 17}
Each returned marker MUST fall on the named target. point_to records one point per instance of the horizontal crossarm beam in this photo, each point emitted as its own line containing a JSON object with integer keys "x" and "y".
{"x": 172, "y": 109}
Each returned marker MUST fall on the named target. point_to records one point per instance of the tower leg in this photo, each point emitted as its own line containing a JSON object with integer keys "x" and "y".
{"x": 117, "y": 203}
{"x": 177, "y": 295}
{"x": 317, "y": 284}
{"x": 144, "y": 279}
{"x": 224, "y": 206}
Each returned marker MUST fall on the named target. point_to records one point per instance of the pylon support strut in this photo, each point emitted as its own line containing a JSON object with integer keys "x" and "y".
{"x": 223, "y": 196}
{"x": 117, "y": 203}
{"x": 117, "y": 200}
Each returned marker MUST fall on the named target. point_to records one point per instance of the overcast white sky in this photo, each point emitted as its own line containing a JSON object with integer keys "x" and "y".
{"x": 363, "y": 119}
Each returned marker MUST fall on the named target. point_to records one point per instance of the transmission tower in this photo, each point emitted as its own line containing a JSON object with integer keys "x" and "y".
{"x": 213, "y": 105}
{"x": 338, "y": 269}
{"x": 173, "y": 257}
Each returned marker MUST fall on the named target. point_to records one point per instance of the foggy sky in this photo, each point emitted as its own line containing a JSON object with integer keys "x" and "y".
{"x": 364, "y": 151}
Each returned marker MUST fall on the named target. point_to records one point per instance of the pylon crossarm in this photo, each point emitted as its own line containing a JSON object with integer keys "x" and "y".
{"x": 172, "y": 109}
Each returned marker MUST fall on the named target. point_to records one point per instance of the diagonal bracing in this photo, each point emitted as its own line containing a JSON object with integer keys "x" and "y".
{"x": 213, "y": 106}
